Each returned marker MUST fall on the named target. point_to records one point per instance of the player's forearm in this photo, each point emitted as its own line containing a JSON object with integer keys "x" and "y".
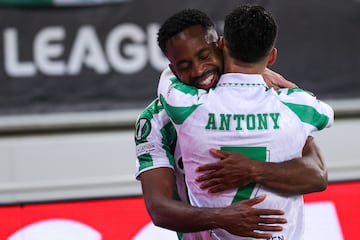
{"x": 158, "y": 187}
{"x": 297, "y": 176}
{"x": 181, "y": 217}
{"x": 290, "y": 180}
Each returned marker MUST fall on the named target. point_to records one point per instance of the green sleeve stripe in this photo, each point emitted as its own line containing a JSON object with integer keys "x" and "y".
{"x": 182, "y": 87}
{"x": 295, "y": 90}
{"x": 309, "y": 115}
{"x": 178, "y": 114}
{"x": 169, "y": 137}
{"x": 145, "y": 161}
{"x": 168, "y": 134}
{"x": 154, "y": 108}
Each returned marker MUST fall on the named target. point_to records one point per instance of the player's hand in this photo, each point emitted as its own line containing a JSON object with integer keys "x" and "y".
{"x": 233, "y": 171}
{"x": 276, "y": 81}
{"x": 245, "y": 220}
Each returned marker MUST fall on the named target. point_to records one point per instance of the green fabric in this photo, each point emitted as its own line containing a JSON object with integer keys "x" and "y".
{"x": 182, "y": 87}
{"x": 178, "y": 114}
{"x": 309, "y": 115}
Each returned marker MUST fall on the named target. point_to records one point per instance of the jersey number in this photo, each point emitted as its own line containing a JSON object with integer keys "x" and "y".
{"x": 255, "y": 153}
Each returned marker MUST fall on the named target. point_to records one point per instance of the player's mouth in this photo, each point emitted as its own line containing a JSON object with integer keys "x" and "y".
{"x": 207, "y": 81}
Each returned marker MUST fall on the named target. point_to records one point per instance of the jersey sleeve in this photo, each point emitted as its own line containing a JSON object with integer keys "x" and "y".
{"x": 178, "y": 99}
{"x": 155, "y": 139}
{"x": 314, "y": 113}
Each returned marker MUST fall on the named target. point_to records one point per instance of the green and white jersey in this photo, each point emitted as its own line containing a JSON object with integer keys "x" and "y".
{"x": 156, "y": 146}
{"x": 155, "y": 139}
{"x": 242, "y": 114}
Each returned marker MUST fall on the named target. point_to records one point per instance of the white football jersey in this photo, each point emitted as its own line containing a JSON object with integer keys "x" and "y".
{"x": 243, "y": 115}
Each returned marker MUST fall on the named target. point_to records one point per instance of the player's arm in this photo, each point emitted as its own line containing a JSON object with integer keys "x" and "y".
{"x": 297, "y": 176}
{"x": 240, "y": 218}
{"x": 276, "y": 80}
{"x": 301, "y": 175}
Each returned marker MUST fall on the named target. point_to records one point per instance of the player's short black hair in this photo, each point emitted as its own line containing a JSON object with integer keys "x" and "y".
{"x": 179, "y": 22}
{"x": 250, "y": 33}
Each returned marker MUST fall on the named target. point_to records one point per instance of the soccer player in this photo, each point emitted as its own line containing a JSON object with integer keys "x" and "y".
{"x": 241, "y": 114}
{"x": 156, "y": 138}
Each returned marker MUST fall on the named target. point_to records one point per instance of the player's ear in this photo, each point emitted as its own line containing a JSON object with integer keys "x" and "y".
{"x": 272, "y": 56}
{"x": 221, "y": 42}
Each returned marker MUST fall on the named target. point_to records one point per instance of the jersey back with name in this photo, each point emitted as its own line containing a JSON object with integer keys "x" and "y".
{"x": 241, "y": 114}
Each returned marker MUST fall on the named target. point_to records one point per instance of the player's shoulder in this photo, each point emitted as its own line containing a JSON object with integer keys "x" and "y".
{"x": 165, "y": 80}
{"x": 167, "y": 74}
{"x": 152, "y": 109}
{"x": 292, "y": 91}
{"x": 154, "y": 115}
{"x": 148, "y": 122}
{"x": 295, "y": 94}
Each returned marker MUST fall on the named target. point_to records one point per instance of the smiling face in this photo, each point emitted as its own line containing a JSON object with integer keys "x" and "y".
{"x": 194, "y": 57}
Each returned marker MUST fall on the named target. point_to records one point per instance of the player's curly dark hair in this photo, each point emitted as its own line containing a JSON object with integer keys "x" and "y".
{"x": 179, "y": 22}
{"x": 250, "y": 33}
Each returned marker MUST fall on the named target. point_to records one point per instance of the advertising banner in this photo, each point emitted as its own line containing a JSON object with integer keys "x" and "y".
{"x": 330, "y": 215}
{"x": 98, "y": 55}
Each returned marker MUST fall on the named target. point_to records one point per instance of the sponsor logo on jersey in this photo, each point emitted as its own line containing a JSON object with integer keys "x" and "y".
{"x": 144, "y": 148}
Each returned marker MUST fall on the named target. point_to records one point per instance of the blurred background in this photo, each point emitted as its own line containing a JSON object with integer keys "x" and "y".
{"x": 74, "y": 75}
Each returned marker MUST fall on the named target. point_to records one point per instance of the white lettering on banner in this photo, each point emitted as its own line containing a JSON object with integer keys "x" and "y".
{"x": 87, "y": 49}
{"x": 48, "y": 48}
{"x": 127, "y": 48}
{"x": 12, "y": 65}
{"x": 135, "y": 54}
